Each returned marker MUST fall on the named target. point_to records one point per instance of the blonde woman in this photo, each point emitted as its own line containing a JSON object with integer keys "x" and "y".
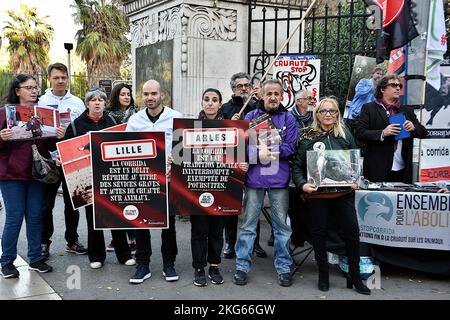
{"x": 328, "y": 133}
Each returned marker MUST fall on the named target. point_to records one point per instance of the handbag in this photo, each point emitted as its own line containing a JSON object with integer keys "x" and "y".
{"x": 43, "y": 169}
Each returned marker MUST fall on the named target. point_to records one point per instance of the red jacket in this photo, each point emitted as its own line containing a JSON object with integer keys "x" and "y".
{"x": 16, "y": 156}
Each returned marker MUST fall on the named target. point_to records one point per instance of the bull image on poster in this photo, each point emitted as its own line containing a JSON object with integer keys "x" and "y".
{"x": 333, "y": 168}
{"x": 205, "y": 174}
{"x": 75, "y": 156}
{"x": 32, "y": 122}
{"x": 129, "y": 180}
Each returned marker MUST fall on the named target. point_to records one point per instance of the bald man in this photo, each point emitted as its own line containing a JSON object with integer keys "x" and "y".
{"x": 155, "y": 117}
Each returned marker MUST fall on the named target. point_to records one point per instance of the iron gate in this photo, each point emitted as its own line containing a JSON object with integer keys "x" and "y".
{"x": 335, "y": 34}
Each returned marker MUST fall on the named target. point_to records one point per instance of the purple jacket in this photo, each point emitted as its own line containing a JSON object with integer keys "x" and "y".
{"x": 275, "y": 174}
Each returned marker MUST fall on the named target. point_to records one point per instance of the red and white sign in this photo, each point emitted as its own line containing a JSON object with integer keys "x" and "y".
{"x": 127, "y": 150}
{"x": 434, "y": 161}
{"x": 210, "y": 138}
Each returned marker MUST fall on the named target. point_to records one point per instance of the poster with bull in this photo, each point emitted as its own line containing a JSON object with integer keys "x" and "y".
{"x": 31, "y": 122}
{"x": 404, "y": 219}
{"x": 129, "y": 180}
{"x": 75, "y": 157}
{"x": 205, "y": 174}
{"x": 435, "y": 148}
{"x": 296, "y": 73}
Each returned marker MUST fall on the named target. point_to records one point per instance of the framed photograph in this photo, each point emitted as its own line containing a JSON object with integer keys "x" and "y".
{"x": 333, "y": 168}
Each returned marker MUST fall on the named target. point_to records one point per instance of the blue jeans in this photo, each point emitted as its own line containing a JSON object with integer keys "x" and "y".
{"x": 253, "y": 203}
{"x": 22, "y": 199}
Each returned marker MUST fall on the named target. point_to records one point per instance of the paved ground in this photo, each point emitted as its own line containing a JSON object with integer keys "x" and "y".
{"x": 111, "y": 281}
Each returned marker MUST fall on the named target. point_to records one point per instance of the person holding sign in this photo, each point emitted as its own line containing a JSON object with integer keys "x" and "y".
{"x": 155, "y": 117}
{"x": 22, "y": 195}
{"x": 268, "y": 172}
{"x": 242, "y": 89}
{"x": 328, "y": 133}
{"x": 387, "y": 158}
{"x": 59, "y": 98}
{"x": 93, "y": 119}
{"x": 207, "y": 230}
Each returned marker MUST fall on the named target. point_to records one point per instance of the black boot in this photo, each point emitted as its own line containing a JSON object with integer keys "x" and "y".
{"x": 355, "y": 281}
{"x": 324, "y": 281}
{"x": 324, "y": 278}
{"x": 229, "y": 252}
{"x": 259, "y": 251}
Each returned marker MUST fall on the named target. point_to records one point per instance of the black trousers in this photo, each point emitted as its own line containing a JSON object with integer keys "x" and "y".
{"x": 206, "y": 239}
{"x": 96, "y": 241}
{"x": 397, "y": 176}
{"x": 344, "y": 208}
{"x": 71, "y": 216}
{"x": 169, "y": 249}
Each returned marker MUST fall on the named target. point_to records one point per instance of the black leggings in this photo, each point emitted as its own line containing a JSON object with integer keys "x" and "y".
{"x": 344, "y": 208}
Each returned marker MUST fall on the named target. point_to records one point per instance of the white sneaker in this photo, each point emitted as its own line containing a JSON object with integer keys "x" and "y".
{"x": 130, "y": 262}
{"x": 96, "y": 265}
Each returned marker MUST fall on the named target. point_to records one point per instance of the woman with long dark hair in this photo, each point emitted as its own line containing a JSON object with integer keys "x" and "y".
{"x": 121, "y": 107}
{"x": 22, "y": 195}
{"x": 121, "y": 103}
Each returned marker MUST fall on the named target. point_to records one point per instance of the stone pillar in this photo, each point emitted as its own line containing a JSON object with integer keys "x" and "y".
{"x": 187, "y": 45}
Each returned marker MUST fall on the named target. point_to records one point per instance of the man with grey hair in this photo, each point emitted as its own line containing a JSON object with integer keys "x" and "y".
{"x": 305, "y": 102}
{"x": 242, "y": 89}
{"x": 269, "y": 171}
{"x": 155, "y": 117}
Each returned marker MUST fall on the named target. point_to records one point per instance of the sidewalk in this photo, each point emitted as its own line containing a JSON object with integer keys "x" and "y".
{"x": 111, "y": 281}
{"x": 29, "y": 285}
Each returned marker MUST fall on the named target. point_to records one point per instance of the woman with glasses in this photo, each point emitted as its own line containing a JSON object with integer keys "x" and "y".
{"x": 121, "y": 107}
{"x": 328, "y": 133}
{"x": 22, "y": 195}
{"x": 94, "y": 118}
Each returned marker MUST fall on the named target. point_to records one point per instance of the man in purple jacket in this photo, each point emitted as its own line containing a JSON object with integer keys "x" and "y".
{"x": 268, "y": 172}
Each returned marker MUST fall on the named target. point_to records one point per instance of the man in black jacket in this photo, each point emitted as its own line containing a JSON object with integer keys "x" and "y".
{"x": 242, "y": 89}
{"x": 387, "y": 159}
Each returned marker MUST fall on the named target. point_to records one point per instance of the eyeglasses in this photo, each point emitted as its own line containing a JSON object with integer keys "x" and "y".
{"x": 30, "y": 88}
{"x": 308, "y": 98}
{"x": 395, "y": 85}
{"x": 325, "y": 111}
{"x": 243, "y": 85}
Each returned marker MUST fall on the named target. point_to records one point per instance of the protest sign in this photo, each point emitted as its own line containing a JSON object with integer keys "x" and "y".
{"x": 31, "y": 122}
{"x": 205, "y": 175}
{"x": 297, "y": 73}
{"x": 129, "y": 180}
{"x": 75, "y": 156}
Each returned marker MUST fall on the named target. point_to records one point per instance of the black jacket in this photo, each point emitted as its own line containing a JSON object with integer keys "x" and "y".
{"x": 83, "y": 124}
{"x": 379, "y": 155}
{"x": 234, "y": 106}
{"x": 306, "y": 141}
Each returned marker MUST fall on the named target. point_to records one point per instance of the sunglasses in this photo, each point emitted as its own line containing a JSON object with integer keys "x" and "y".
{"x": 325, "y": 111}
{"x": 395, "y": 85}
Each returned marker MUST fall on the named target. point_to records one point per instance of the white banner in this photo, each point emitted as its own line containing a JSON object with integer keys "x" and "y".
{"x": 404, "y": 219}
{"x": 435, "y": 160}
{"x": 297, "y": 73}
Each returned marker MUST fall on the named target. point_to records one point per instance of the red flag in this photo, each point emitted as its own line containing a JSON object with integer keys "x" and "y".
{"x": 397, "y": 28}
{"x": 396, "y": 61}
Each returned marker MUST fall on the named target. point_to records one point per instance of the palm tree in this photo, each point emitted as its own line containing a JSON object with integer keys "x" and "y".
{"x": 102, "y": 41}
{"x": 29, "y": 40}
